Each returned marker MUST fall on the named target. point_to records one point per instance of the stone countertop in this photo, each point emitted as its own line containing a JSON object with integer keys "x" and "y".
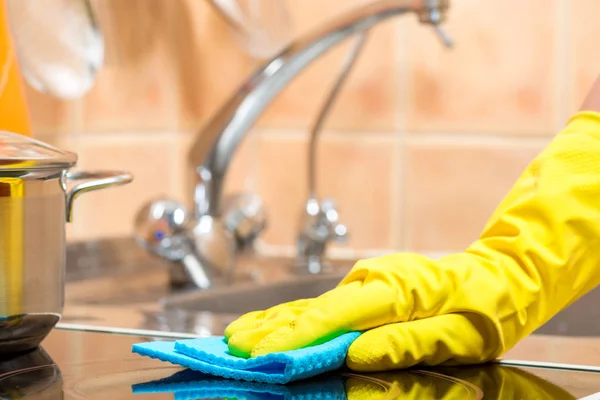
{"x": 127, "y": 298}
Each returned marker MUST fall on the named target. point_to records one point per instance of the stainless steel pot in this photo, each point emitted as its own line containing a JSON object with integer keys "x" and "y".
{"x": 35, "y": 203}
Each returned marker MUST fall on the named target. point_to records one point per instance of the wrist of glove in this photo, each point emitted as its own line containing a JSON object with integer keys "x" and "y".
{"x": 536, "y": 255}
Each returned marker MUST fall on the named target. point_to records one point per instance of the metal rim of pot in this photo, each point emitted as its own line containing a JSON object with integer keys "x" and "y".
{"x": 23, "y": 157}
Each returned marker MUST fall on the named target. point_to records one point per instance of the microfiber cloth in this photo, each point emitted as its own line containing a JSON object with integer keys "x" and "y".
{"x": 192, "y": 385}
{"x": 211, "y": 356}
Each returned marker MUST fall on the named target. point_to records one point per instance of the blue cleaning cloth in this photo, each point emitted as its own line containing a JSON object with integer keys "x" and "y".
{"x": 211, "y": 356}
{"x": 192, "y": 385}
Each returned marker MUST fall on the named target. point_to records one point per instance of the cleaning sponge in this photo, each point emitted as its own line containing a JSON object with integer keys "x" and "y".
{"x": 211, "y": 356}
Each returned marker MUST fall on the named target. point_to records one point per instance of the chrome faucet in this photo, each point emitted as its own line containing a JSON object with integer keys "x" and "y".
{"x": 216, "y": 231}
{"x": 319, "y": 223}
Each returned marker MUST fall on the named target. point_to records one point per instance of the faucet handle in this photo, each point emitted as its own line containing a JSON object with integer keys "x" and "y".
{"x": 319, "y": 225}
{"x": 321, "y": 222}
{"x": 161, "y": 227}
{"x": 433, "y": 12}
{"x": 245, "y": 216}
{"x": 337, "y": 230}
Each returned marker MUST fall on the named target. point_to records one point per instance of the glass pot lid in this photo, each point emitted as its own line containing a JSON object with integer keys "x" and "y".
{"x": 19, "y": 152}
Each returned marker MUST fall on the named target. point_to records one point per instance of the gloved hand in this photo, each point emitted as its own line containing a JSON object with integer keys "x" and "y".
{"x": 537, "y": 254}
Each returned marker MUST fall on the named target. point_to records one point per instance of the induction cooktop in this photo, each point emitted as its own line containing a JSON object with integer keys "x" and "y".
{"x": 88, "y": 365}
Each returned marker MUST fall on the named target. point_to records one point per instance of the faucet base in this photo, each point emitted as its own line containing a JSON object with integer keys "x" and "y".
{"x": 313, "y": 265}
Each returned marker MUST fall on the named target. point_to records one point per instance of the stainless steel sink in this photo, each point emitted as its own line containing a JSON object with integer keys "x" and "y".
{"x": 206, "y": 313}
{"x": 582, "y": 318}
{"x": 244, "y": 298}
{"x": 117, "y": 273}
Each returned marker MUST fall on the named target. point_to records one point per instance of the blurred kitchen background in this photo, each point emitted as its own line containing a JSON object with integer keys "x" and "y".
{"x": 420, "y": 148}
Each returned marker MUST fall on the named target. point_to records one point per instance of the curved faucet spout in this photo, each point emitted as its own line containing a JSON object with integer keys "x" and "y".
{"x": 212, "y": 237}
{"x": 215, "y": 145}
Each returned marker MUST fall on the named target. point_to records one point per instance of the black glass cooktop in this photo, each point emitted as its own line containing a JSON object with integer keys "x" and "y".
{"x": 84, "y": 365}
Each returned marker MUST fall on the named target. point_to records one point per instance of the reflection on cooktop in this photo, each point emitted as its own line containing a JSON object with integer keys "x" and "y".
{"x": 78, "y": 365}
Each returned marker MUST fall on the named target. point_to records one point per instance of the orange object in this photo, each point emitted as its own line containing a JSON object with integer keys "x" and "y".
{"x": 14, "y": 114}
{"x": 14, "y": 117}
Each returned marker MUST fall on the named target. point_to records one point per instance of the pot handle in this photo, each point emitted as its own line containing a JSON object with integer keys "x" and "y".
{"x": 101, "y": 180}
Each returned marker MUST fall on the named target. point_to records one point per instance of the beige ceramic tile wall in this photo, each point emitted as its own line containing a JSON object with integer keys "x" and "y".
{"x": 422, "y": 145}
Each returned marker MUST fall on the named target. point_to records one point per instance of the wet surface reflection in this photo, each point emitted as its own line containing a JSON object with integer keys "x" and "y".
{"x": 78, "y": 365}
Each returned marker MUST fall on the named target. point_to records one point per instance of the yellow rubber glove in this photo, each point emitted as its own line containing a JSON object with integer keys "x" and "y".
{"x": 537, "y": 254}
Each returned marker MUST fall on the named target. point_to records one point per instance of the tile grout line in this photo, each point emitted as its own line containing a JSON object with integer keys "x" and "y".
{"x": 400, "y": 227}
{"x": 402, "y": 63}
{"x": 563, "y": 93}
{"x": 289, "y": 250}
{"x": 125, "y": 136}
{"x": 176, "y": 182}
{"x": 77, "y": 120}
{"x": 259, "y": 137}
{"x": 402, "y": 57}
{"x": 376, "y": 136}
{"x": 254, "y": 162}
{"x": 507, "y": 140}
